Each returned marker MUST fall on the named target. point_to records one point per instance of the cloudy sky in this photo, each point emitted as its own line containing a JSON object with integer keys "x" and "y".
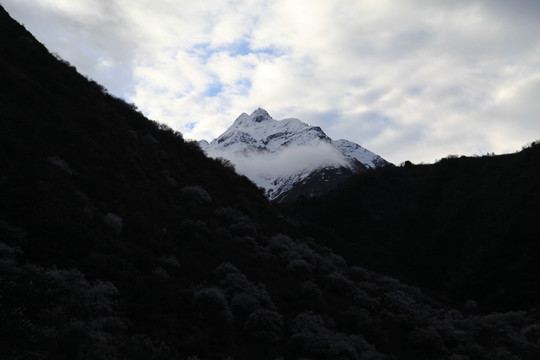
{"x": 408, "y": 79}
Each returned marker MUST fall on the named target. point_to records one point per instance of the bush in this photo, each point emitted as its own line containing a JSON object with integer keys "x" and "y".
{"x": 114, "y": 221}
{"x": 244, "y": 304}
{"x": 234, "y": 283}
{"x": 170, "y": 261}
{"x": 300, "y": 267}
{"x": 161, "y": 274}
{"x": 197, "y": 194}
{"x": 56, "y": 313}
{"x": 311, "y": 338}
{"x": 339, "y": 283}
{"x": 304, "y": 252}
{"x": 212, "y": 305}
{"x": 280, "y": 243}
{"x": 226, "y": 268}
{"x": 61, "y": 164}
{"x": 264, "y": 326}
{"x": 309, "y": 290}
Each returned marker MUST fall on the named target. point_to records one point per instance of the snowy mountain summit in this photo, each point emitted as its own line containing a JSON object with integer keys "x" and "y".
{"x": 288, "y": 157}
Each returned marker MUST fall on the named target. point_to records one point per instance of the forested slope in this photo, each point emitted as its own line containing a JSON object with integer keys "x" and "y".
{"x": 464, "y": 228}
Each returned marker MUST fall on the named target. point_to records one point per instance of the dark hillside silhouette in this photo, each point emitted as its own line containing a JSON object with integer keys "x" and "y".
{"x": 464, "y": 228}
{"x": 121, "y": 240}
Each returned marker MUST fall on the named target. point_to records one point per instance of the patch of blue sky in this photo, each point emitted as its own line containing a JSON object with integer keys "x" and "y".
{"x": 190, "y": 125}
{"x": 214, "y": 89}
{"x": 271, "y": 51}
{"x": 238, "y": 48}
{"x": 199, "y": 49}
{"x": 242, "y": 86}
{"x": 243, "y": 48}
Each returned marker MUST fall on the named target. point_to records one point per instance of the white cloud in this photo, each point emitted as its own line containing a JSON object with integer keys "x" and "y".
{"x": 263, "y": 166}
{"x": 408, "y": 80}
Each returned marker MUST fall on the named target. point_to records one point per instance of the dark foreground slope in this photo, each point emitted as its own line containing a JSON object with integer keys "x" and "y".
{"x": 465, "y": 228}
{"x": 119, "y": 240}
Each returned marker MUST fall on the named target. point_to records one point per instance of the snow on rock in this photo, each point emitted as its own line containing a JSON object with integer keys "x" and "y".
{"x": 279, "y": 155}
{"x": 354, "y": 151}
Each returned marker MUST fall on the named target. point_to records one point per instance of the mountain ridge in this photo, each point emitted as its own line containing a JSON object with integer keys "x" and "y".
{"x": 258, "y": 138}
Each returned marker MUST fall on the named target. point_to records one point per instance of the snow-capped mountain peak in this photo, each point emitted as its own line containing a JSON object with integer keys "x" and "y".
{"x": 283, "y": 155}
{"x": 260, "y": 132}
{"x": 259, "y": 115}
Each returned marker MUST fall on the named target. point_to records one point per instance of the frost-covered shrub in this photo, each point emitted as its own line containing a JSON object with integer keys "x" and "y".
{"x": 225, "y": 268}
{"x": 243, "y": 304}
{"x": 309, "y": 322}
{"x": 310, "y": 293}
{"x": 235, "y": 282}
{"x": 305, "y": 253}
{"x": 114, "y": 221}
{"x": 401, "y": 303}
{"x": 470, "y": 305}
{"x": 532, "y": 333}
{"x": 260, "y": 292}
{"x": 280, "y": 243}
{"x": 503, "y": 353}
{"x": 56, "y": 313}
{"x": 133, "y": 134}
{"x": 333, "y": 263}
{"x": 212, "y": 305}
{"x": 265, "y": 326}
{"x": 509, "y": 322}
{"x": 339, "y": 283}
{"x": 288, "y": 250}
{"x": 368, "y": 287}
{"x": 451, "y": 327}
{"x": 247, "y": 241}
{"x": 196, "y": 193}
{"x": 161, "y": 274}
{"x": 142, "y": 347}
{"x": 170, "y": 261}
{"x": 148, "y": 139}
{"x": 338, "y": 262}
{"x": 12, "y": 235}
{"x": 428, "y": 340}
{"x": 301, "y": 267}
{"x": 458, "y": 357}
{"x": 61, "y": 164}
{"x": 229, "y": 214}
{"x": 232, "y": 216}
{"x": 239, "y": 223}
{"x": 194, "y": 228}
{"x": 8, "y": 251}
{"x": 356, "y": 319}
{"x": 170, "y": 180}
{"x": 358, "y": 273}
{"x": 243, "y": 228}
{"x": 164, "y": 155}
{"x": 364, "y": 300}
{"x": 388, "y": 282}
{"x": 311, "y": 338}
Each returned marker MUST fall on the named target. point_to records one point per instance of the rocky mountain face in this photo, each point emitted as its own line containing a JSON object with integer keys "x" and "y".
{"x": 289, "y": 158}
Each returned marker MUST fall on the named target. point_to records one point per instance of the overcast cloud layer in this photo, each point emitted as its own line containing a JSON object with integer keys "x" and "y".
{"x": 417, "y": 79}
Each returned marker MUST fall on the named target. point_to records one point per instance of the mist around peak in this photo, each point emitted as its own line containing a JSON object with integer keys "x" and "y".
{"x": 260, "y": 165}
